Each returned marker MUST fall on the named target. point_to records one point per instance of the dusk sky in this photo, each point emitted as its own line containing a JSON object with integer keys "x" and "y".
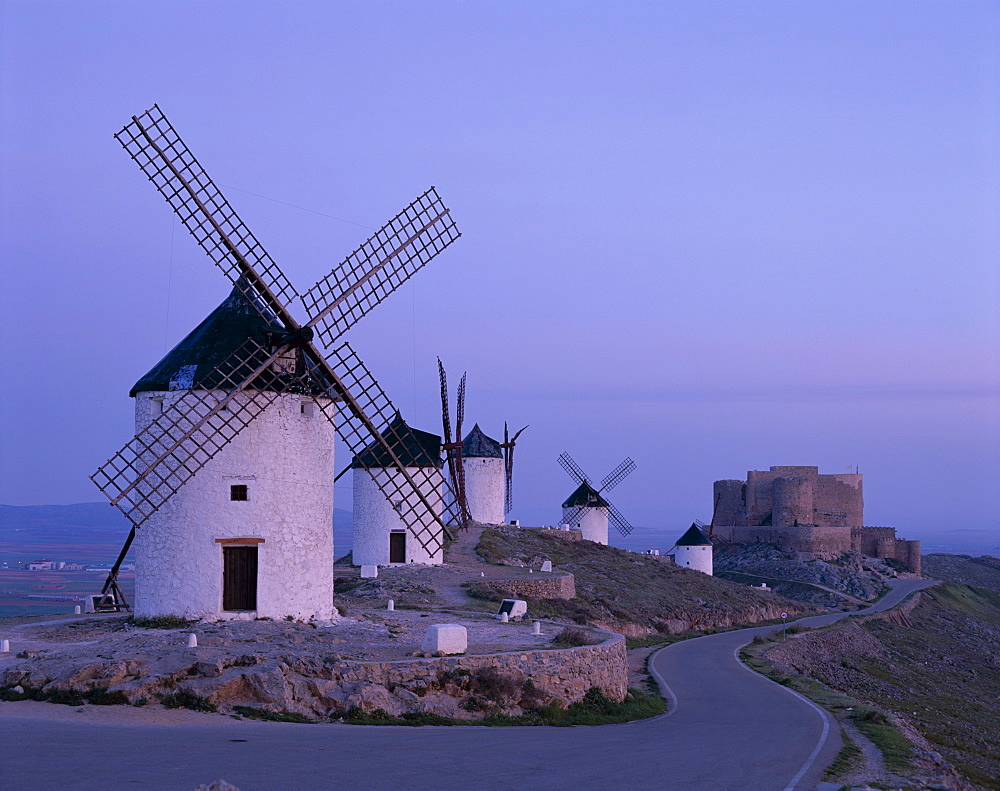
{"x": 712, "y": 236}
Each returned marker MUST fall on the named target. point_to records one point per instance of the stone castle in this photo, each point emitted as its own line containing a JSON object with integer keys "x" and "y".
{"x": 805, "y": 513}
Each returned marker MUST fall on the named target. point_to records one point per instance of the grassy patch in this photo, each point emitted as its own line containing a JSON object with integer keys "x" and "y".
{"x": 895, "y": 748}
{"x": 594, "y": 709}
{"x": 256, "y": 713}
{"x": 848, "y": 759}
{"x": 66, "y": 697}
{"x": 182, "y": 699}
{"x": 160, "y": 622}
{"x": 572, "y": 637}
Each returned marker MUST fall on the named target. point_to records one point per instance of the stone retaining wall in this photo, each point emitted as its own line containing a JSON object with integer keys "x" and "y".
{"x": 320, "y": 687}
{"x": 562, "y": 586}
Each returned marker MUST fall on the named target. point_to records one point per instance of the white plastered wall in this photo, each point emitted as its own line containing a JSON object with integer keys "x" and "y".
{"x": 484, "y": 489}
{"x": 375, "y": 518}
{"x": 592, "y": 522}
{"x": 698, "y": 558}
{"x": 285, "y": 459}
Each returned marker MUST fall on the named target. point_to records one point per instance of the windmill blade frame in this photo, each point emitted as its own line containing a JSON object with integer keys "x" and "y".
{"x": 399, "y": 249}
{"x": 165, "y": 159}
{"x": 619, "y": 521}
{"x": 508, "y": 463}
{"x": 617, "y": 475}
{"x": 572, "y": 468}
{"x": 357, "y": 428}
{"x": 152, "y": 466}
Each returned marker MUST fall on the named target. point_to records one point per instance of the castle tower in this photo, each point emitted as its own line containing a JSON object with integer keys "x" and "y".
{"x": 586, "y": 510}
{"x": 251, "y": 533}
{"x": 381, "y": 537}
{"x": 482, "y": 462}
{"x": 693, "y": 551}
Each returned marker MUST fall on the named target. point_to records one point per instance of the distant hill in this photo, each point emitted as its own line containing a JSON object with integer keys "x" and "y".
{"x": 983, "y": 571}
{"x": 86, "y": 531}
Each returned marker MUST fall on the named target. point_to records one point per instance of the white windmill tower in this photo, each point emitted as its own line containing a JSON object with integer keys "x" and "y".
{"x": 227, "y": 482}
{"x": 483, "y": 464}
{"x": 693, "y": 550}
{"x": 586, "y": 509}
{"x": 381, "y": 536}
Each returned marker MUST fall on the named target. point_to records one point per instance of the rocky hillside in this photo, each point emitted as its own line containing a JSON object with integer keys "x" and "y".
{"x": 815, "y": 581}
{"x": 629, "y": 593}
{"x": 983, "y": 571}
{"x": 936, "y": 668}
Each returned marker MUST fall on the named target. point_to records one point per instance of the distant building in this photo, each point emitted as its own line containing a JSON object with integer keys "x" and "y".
{"x": 41, "y": 565}
{"x": 806, "y": 513}
{"x": 693, "y": 550}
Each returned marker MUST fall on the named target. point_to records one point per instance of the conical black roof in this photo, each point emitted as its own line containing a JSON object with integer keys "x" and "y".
{"x": 192, "y": 363}
{"x": 693, "y": 538}
{"x": 585, "y": 495}
{"x": 477, "y": 445}
{"x": 413, "y": 448}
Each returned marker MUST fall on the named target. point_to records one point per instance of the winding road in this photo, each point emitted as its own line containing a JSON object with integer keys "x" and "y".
{"x": 728, "y": 729}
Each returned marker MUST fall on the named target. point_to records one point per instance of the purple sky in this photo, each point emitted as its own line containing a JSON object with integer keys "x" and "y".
{"x": 712, "y": 236}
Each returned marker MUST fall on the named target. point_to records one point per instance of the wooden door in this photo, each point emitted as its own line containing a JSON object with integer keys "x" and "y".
{"x": 397, "y": 547}
{"x": 239, "y": 578}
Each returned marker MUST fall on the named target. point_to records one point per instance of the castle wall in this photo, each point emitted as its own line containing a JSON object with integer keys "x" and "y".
{"x": 729, "y": 503}
{"x": 827, "y": 542}
{"x": 375, "y": 518}
{"x": 285, "y": 459}
{"x": 792, "y": 501}
{"x": 839, "y": 500}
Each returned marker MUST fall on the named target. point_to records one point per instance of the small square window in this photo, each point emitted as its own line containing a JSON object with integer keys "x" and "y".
{"x": 155, "y": 406}
{"x": 238, "y": 491}
{"x": 306, "y": 408}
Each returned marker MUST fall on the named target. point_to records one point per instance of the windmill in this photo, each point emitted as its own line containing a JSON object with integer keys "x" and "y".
{"x": 453, "y": 450}
{"x": 276, "y": 369}
{"x": 587, "y": 508}
{"x": 508, "y": 467}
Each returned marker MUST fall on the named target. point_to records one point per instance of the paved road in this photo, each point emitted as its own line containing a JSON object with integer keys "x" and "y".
{"x": 729, "y": 730}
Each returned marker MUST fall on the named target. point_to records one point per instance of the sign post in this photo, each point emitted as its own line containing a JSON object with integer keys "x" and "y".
{"x": 784, "y": 617}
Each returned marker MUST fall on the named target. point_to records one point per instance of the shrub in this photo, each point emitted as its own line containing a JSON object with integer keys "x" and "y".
{"x": 160, "y": 622}
{"x": 67, "y": 697}
{"x": 256, "y": 713}
{"x": 571, "y": 637}
{"x": 101, "y": 697}
{"x": 182, "y": 699}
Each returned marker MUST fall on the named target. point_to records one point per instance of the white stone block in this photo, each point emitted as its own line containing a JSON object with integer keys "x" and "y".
{"x": 192, "y": 641}
{"x": 76, "y": 610}
{"x": 546, "y": 565}
{"x": 536, "y": 627}
{"x": 513, "y": 608}
{"x": 4, "y": 646}
{"x": 391, "y": 605}
{"x": 369, "y": 572}
{"x": 445, "y": 638}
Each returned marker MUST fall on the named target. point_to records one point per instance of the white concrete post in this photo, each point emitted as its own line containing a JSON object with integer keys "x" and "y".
{"x": 536, "y": 627}
{"x": 504, "y": 618}
{"x": 391, "y": 605}
{"x": 4, "y": 646}
{"x": 76, "y": 610}
{"x": 192, "y": 640}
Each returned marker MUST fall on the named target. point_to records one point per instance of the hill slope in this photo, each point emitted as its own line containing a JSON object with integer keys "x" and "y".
{"x": 936, "y": 668}
{"x": 631, "y": 593}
